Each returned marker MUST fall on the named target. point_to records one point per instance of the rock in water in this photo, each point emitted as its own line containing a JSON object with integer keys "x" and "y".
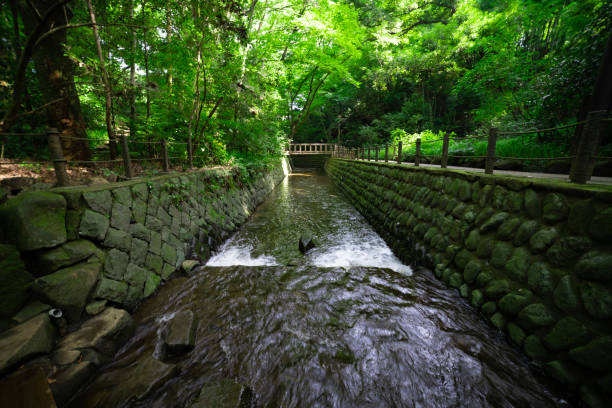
{"x": 27, "y": 388}
{"x": 223, "y": 394}
{"x": 181, "y": 332}
{"x": 306, "y": 243}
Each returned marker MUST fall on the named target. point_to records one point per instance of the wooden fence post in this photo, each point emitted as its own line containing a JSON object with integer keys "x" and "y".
{"x": 127, "y": 163}
{"x": 394, "y": 150}
{"x": 165, "y": 156}
{"x": 588, "y": 146}
{"x": 57, "y": 155}
{"x": 399, "y": 152}
{"x": 368, "y": 153}
{"x": 387, "y": 153}
{"x": 444, "y": 160}
{"x": 190, "y": 152}
{"x": 491, "y": 151}
{"x": 376, "y": 150}
{"x": 417, "y": 156}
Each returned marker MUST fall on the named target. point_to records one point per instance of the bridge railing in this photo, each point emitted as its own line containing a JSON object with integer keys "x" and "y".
{"x": 582, "y": 162}
{"x": 312, "y": 148}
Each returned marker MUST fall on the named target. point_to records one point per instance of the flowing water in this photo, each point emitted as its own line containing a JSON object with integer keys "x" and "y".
{"x": 347, "y": 325}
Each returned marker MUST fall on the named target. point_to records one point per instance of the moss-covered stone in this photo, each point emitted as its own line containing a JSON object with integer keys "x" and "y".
{"x": 99, "y": 201}
{"x": 512, "y": 303}
{"x": 518, "y": 264}
{"x": 154, "y": 263}
{"x": 484, "y": 215}
{"x": 494, "y": 222}
{"x": 464, "y": 290}
{"x": 73, "y": 218}
{"x": 485, "y": 195}
{"x": 34, "y": 220}
{"x": 115, "y": 264}
{"x": 139, "y": 211}
{"x": 138, "y": 253}
{"x": 516, "y": 334}
{"x": 69, "y": 288}
{"x": 567, "y": 249}
{"x": 462, "y": 258}
{"x": 597, "y": 299}
{"x": 15, "y": 281}
{"x": 580, "y": 216}
{"x": 122, "y": 195}
{"x": 506, "y": 230}
{"x": 112, "y": 290}
{"x": 524, "y": 232}
{"x": 534, "y": 348}
{"x": 471, "y": 271}
{"x": 594, "y": 398}
{"x": 118, "y": 239}
{"x": 499, "y": 197}
{"x": 488, "y": 308}
{"x": 455, "y": 280}
{"x": 600, "y": 227}
{"x": 152, "y": 283}
{"x": 485, "y": 247}
{"x": 93, "y": 225}
{"x": 597, "y": 354}
{"x": 140, "y": 231}
{"x": 141, "y": 191}
{"x": 500, "y": 254}
{"x": 155, "y": 243}
{"x": 535, "y": 315}
{"x": 167, "y": 270}
{"x": 595, "y": 265}
{"x": 498, "y": 320}
{"x": 540, "y": 279}
{"x": 560, "y": 371}
{"x": 541, "y": 240}
{"x": 497, "y": 288}
{"x": 120, "y": 217}
{"x": 567, "y": 333}
{"x": 532, "y": 204}
{"x": 483, "y": 278}
{"x": 47, "y": 261}
{"x": 476, "y": 298}
{"x": 554, "y": 208}
{"x": 566, "y": 295}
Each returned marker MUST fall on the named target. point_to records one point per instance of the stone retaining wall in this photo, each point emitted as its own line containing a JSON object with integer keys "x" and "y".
{"x": 534, "y": 257}
{"x": 81, "y": 249}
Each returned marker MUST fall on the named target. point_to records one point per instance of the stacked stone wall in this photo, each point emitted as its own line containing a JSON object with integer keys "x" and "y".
{"x": 534, "y": 257}
{"x": 78, "y": 249}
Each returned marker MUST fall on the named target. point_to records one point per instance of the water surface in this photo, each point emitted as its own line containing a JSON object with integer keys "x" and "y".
{"x": 347, "y": 325}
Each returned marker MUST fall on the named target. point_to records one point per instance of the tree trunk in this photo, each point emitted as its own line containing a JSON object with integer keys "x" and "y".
{"x": 107, "y": 90}
{"x": 601, "y": 98}
{"x": 55, "y": 72}
{"x": 132, "y": 93}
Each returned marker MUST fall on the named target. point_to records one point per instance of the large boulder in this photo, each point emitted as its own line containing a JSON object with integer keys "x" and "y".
{"x": 27, "y": 388}
{"x": 69, "y": 288}
{"x": 34, "y": 220}
{"x": 34, "y": 337}
{"x": 102, "y": 333}
{"x": 15, "y": 281}
{"x": 47, "y": 261}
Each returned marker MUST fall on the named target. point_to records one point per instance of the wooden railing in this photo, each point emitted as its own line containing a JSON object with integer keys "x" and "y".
{"x": 312, "y": 148}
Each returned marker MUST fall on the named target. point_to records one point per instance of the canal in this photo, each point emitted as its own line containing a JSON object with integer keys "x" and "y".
{"x": 346, "y": 325}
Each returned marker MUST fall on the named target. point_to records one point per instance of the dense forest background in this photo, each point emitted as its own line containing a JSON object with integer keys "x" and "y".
{"x": 245, "y": 77}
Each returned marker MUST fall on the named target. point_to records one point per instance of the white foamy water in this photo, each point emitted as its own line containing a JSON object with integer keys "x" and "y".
{"x": 229, "y": 255}
{"x": 307, "y": 204}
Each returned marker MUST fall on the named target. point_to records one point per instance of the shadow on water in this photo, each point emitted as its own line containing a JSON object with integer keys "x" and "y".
{"x": 361, "y": 331}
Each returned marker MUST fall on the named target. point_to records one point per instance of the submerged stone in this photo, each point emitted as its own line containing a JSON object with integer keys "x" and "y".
{"x": 181, "y": 332}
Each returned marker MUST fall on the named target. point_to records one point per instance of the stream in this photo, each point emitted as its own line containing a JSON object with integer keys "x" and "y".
{"x": 346, "y": 325}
